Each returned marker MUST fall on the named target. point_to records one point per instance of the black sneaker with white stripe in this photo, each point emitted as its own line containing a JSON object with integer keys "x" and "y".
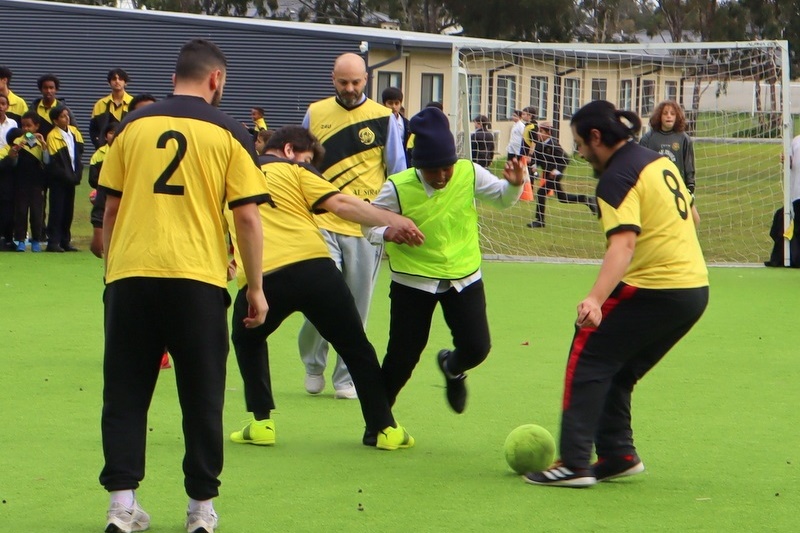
{"x": 561, "y": 476}
{"x": 607, "y": 468}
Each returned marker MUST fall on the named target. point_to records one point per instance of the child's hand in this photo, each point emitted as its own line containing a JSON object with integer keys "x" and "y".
{"x": 40, "y": 138}
{"x": 514, "y": 171}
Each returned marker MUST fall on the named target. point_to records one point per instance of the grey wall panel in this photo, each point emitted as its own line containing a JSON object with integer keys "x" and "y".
{"x": 278, "y": 71}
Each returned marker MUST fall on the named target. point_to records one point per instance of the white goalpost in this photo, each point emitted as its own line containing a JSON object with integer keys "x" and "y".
{"x": 736, "y": 97}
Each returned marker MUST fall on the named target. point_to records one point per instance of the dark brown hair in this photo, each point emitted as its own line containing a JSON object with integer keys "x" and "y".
{"x": 680, "y": 117}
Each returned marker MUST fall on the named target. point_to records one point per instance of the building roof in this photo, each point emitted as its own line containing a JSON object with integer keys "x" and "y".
{"x": 375, "y": 36}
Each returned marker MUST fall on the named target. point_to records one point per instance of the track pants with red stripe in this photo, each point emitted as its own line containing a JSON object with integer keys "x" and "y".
{"x": 639, "y": 327}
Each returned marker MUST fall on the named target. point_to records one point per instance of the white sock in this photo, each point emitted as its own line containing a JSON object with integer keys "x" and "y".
{"x": 125, "y": 497}
{"x": 197, "y": 505}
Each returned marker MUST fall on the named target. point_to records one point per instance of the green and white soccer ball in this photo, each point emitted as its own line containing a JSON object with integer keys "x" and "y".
{"x": 530, "y": 448}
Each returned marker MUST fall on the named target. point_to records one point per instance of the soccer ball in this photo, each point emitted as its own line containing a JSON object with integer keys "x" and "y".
{"x": 92, "y": 196}
{"x": 530, "y": 448}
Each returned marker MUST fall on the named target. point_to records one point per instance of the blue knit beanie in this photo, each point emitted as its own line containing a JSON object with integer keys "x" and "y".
{"x": 434, "y": 146}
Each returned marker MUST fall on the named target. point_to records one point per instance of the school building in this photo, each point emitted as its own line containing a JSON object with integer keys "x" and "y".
{"x": 283, "y": 66}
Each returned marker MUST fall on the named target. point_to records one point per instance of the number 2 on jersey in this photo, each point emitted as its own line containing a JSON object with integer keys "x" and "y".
{"x": 161, "y": 186}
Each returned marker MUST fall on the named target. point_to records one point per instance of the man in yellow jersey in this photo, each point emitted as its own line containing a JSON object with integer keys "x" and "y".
{"x": 362, "y": 146}
{"x": 439, "y": 195}
{"x": 172, "y": 168}
{"x": 299, "y": 275}
{"x": 112, "y": 108}
{"x": 651, "y": 289}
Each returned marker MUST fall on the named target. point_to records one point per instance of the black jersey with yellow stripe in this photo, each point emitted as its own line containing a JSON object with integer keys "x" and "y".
{"x": 354, "y": 140}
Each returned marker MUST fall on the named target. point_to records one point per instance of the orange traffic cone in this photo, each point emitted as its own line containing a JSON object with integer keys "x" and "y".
{"x": 527, "y": 188}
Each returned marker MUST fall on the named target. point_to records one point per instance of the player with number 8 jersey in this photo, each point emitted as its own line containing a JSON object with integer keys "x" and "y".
{"x": 651, "y": 289}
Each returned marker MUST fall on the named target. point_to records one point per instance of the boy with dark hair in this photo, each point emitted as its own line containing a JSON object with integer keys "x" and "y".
{"x": 439, "y": 195}
{"x": 29, "y": 155}
{"x": 16, "y": 105}
{"x": 7, "y": 125}
{"x": 549, "y": 155}
{"x": 48, "y": 85}
{"x": 139, "y": 100}
{"x": 65, "y": 144}
{"x": 99, "y": 203}
{"x": 392, "y": 97}
{"x": 299, "y": 275}
{"x": 111, "y": 108}
{"x": 259, "y": 123}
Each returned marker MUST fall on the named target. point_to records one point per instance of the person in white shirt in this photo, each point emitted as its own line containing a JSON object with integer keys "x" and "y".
{"x": 514, "y": 147}
{"x": 439, "y": 194}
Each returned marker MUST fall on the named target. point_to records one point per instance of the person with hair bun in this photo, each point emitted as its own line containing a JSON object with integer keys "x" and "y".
{"x": 651, "y": 289}
{"x": 482, "y": 141}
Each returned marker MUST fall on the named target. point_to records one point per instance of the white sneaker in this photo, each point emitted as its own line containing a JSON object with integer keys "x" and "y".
{"x": 315, "y": 383}
{"x": 121, "y": 519}
{"x": 201, "y": 521}
{"x": 347, "y": 393}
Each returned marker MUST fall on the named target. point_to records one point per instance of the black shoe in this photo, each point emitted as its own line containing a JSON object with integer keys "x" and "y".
{"x": 593, "y": 206}
{"x": 456, "y": 388}
{"x": 370, "y": 438}
{"x": 8, "y": 246}
{"x": 54, "y": 248}
{"x": 617, "y": 466}
{"x": 535, "y": 224}
{"x": 70, "y": 248}
{"x": 561, "y": 476}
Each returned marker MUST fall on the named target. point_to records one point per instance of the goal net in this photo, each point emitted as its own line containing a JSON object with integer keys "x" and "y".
{"x": 736, "y": 98}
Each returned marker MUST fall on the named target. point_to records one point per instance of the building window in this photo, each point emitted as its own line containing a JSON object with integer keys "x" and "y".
{"x": 572, "y": 96}
{"x": 599, "y": 88}
{"x": 626, "y": 95}
{"x": 432, "y": 89}
{"x": 671, "y": 90}
{"x": 389, "y": 79}
{"x": 648, "y": 96}
{"x": 539, "y": 95}
{"x": 506, "y": 97}
{"x": 474, "y": 89}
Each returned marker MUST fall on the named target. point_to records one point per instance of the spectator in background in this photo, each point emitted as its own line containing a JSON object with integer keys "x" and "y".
{"x": 112, "y": 108}
{"x": 259, "y": 122}
{"x": 65, "y": 144}
{"x": 668, "y": 137}
{"x": 16, "y": 105}
{"x": 549, "y": 155}
{"x": 392, "y": 97}
{"x": 7, "y": 125}
{"x": 99, "y": 203}
{"x": 48, "y": 85}
{"x": 261, "y": 141}
{"x": 482, "y": 141}
{"x": 362, "y": 147}
{"x": 514, "y": 148}
{"x": 30, "y": 154}
{"x": 777, "y": 230}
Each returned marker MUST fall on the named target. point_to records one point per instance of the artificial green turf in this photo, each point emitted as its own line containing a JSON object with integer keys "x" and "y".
{"x": 715, "y": 422}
